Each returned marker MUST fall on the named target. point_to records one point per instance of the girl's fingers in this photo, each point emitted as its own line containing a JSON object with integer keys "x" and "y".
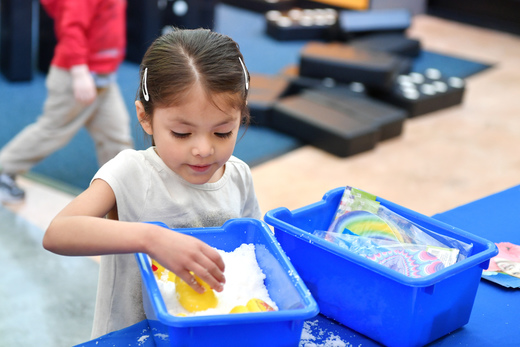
{"x": 215, "y": 279}
{"x": 215, "y": 259}
{"x": 187, "y": 277}
{"x": 193, "y": 255}
{"x": 209, "y": 266}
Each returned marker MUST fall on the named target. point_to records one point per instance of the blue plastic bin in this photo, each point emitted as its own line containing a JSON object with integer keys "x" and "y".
{"x": 370, "y": 298}
{"x": 285, "y": 287}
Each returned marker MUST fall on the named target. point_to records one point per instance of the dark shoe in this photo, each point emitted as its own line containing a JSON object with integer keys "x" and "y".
{"x": 9, "y": 190}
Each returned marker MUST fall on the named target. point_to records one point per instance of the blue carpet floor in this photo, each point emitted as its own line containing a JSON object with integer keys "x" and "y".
{"x": 75, "y": 164}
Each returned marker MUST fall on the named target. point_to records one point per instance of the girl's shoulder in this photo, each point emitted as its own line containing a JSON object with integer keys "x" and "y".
{"x": 237, "y": 167}
{"x": 127, "y": 162}
{"x": 134, "y": 155}
{"x": 239, "y": 164}
{"x": 238, "y": 170}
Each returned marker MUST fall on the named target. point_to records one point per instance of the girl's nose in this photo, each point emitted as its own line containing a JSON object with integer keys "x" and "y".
{"x": 203, "y": 148}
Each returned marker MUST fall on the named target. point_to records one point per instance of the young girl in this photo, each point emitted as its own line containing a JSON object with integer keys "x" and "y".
{"x": 192, "y": 100}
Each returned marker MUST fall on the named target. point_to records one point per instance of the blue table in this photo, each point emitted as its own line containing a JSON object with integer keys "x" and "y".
{"x": 495, "y": 318}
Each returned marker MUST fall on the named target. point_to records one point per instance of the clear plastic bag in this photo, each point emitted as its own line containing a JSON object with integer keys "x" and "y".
{"x": 365, "y": 227}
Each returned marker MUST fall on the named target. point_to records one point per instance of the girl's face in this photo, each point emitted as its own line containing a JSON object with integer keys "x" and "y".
{"x": 194, "y": 139}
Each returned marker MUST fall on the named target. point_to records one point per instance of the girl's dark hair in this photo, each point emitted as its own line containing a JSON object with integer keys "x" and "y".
{"x": 177, "y": 60}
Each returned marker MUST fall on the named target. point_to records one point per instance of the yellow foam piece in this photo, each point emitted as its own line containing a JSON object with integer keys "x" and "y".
{"x": 159, "y": 270}
{"x": 253, "y": 305}
{"x": 257, "y": 305}
{"x": 193, "y": 301}
{"x": 239, "y": 309}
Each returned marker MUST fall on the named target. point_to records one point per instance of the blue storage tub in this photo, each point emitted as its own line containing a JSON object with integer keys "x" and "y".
{"x": 370, "y": 298}
{"x": 285, "y": 287}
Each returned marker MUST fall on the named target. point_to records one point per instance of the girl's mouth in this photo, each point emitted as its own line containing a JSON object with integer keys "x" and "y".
{"x": 199, "y": 168}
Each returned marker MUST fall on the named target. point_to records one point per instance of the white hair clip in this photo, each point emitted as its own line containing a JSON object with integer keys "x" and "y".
{"x": 145, "y": 87}
{"x": 245, "y": 72}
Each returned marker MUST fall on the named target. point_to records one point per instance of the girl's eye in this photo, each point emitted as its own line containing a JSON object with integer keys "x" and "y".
{"x": 224, "y": 135}
{"x": 180, "y": 135}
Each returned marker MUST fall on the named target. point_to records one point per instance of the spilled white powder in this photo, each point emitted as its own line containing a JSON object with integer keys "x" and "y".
{"x": 244, "y": 281}
{"x": 142, "y": 339}
{"x": 161, "y": 336}
{"x": 311, "y": 332}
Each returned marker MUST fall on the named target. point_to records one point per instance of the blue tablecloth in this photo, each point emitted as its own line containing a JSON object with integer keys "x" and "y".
{"x": 495, "y": 318}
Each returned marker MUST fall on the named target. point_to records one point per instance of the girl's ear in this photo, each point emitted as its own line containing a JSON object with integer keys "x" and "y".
{"x": 144, "y": 119}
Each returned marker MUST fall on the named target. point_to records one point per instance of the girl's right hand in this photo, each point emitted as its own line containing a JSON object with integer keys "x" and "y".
{"x": 183, "y": 254}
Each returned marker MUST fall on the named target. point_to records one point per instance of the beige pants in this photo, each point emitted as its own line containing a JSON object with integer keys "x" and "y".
{"x": 106, "y": 119}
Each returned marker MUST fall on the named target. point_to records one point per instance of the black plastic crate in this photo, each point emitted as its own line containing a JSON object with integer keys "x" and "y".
{"x": 302, "y": 24}
{"x": 422, "y": 93}
{"x": 264, "y": 92}
{"x": 388, "y": 118}
{"x": 346, "y": 63}
{"x": 324, "y": 127}
{"x": 395, "y": 43}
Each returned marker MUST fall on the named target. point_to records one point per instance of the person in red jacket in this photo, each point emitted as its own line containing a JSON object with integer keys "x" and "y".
{"x": 81, "y": 90}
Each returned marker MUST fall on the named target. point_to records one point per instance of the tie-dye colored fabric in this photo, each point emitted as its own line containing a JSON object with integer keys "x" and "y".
{"x": 363, "y": 223}
{"x": 409, "y": 262}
